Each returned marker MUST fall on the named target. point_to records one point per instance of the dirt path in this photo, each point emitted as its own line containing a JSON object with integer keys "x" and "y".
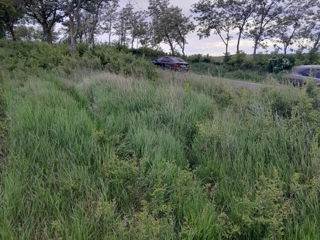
{"x": 207, "y": 79}
{"x": 246, "y": 84}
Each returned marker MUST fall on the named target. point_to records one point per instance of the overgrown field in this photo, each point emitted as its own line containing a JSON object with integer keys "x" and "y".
{"x": 100, "y": 155}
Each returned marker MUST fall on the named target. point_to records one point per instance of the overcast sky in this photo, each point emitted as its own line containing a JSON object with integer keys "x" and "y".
{"x": 212, "y": 45}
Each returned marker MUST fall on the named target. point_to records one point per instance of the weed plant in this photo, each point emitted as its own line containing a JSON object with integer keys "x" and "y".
{"x": 100, "y": 155}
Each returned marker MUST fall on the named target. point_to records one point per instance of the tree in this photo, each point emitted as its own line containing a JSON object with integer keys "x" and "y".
{"x": 11, "y": 12}
{"x": 138, "y": 26}
{"x": 122, "y": 26}
{"x": 183, "y": 26}
{"x": 241, "y": 12}
{"x": 72, "y": 10}
{"x": 169, "y": 25}
{"x": 2, "y": 22}
{"x": 161, "y": 29}
{"x": 109, "y": 17}
{"x": 263, "y": 20}
{"x": 45, "y": 12}
{"x": 215, "y": 16}
{"x": 29, "y": 33}
{"x": 94, "y": 9}
{"x": 311, "y": 30}
{"x": 288, "y": 24}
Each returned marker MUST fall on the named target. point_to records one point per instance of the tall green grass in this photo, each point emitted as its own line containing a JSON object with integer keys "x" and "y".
{"x": 95, "y": 155}
{"x": 30, "y": 58}
{"x": 250, "y": 73}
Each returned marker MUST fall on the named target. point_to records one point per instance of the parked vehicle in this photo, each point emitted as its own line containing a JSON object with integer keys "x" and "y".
{"x": 301, "y": 74}
{"x": 172, "y": 63}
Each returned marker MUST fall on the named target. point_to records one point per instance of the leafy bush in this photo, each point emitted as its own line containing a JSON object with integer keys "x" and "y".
{"x": 32, "y": 57}
{"x": 282, "y": 105}
{"x": 148, "y": 53}
{"x": 279, "y": 63}
{"x": 238, "y": 61}
{"x": 102, "y": 156}
{"x": 264, "y": 214}
{"x": 198, "y": 58}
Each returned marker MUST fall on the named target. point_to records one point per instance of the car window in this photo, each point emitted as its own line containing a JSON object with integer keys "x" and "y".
{"x": 180, "y": 60}
{"x": 305, "y": 72}
{"x": 316, "y": 73}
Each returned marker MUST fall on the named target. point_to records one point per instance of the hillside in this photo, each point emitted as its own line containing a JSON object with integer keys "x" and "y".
{"x": 105, "y": 146}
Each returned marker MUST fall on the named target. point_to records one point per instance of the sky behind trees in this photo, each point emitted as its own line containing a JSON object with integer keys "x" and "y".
{"x": 212, "y": 45}
{"x": 173, "y": 25}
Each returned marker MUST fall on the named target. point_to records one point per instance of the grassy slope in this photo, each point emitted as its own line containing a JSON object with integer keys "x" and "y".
{"x": 244, "y": 75}
{"x": 95, "y": 155}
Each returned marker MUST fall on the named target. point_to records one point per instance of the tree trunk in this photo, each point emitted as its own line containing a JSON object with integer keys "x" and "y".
{"x": 183, "y": 45}
{"x": 258, "y": 37}
{"x": 47, "y": 35}
{"x": 316, "y": 44}
{"x": 74, "y": 23}
{"x": 183, "y": 48}
{"x": 256, "y": 41}
{"x": 12, "y": 32}
{"x": 226, "y": 42}
{"x": 285, "y": 48}
{"x": 90, "y": 42}
{"x": 170, "y": 44}
{"x": 110, "y": 31}
{"x": 239, "y": 39}
{"x": 72, "y": 37}
{"x": 110, "y": 38}
{"x": 226, "y": 59}
{"x": 81, "y": 37}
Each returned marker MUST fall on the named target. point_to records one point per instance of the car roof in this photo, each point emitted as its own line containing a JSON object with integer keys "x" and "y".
{"x": 171, "y": 57}
{"x": 307, "y": 67}
{"x": 175, "y": 58}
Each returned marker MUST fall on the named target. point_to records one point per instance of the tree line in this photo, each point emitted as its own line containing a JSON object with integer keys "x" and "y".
{"x": 281, "y": 23}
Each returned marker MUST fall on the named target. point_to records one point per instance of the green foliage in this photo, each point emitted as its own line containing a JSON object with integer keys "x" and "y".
{"x": 200, "y": 58}
{"x": 279, "y": 63}
{"x": 307, "y": 58}
{"x": 249, "y": 68}
{"x": 232, "y": 72}
{"x": 313, "y": 57}
{"x": 10, "y": 13}
{"x": 31, "y": 57}
{"x": 96, "y": 155}
{"x": 264, "y": 214}
{"x": 148, "y": 53}
{"x": 240, "y": 61}
{"x": 282, "y": 104}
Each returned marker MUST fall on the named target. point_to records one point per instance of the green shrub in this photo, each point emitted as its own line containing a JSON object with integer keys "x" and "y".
{"x": 32, "y": 57}
{"x": 279, "y": 63}
{"x": 82, "y": 49}
{"x": 198, "y": 58}
{"x": 237, "y": 61}
{"x": 282, "y": 105}
{"x": 148, "y": 53}
{"x": 264, "y": 214}
{"x": 313, "y": 57}
{"x": 94, "y": 155}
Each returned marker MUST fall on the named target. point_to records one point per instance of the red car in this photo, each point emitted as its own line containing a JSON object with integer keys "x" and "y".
{"x": 172, "y": 63}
